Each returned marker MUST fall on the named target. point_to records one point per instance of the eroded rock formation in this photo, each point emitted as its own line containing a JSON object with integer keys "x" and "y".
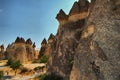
{"x": 90, "y": 38}
{"x": 46, "y": 46}
{"x": 2, "y": 51}
{"x": 21, "y": 50}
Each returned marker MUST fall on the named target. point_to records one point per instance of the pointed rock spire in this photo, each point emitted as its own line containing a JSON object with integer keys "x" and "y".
{"x": 75, "y": 9}
{"x": 51, "y": 36}
{"x": 22, "y": 40}
{"x": 34, "y": 45}
{"x": 2, "y": 46}
{"x": 28, "y": 41}
{"x": 61, "y": 15}
{"x": 44, "y": 41}
{"x": 19, "y": 40}
{"x": 84, "y": 5}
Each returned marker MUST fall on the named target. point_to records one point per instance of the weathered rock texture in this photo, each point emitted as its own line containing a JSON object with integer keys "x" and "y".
{"x": 1, "y": 51}
{"x": 91, "y": 38}
{"x": 21, "y": 50}
{"x": 66, "y": 41}
{"x": 46, "y": 47}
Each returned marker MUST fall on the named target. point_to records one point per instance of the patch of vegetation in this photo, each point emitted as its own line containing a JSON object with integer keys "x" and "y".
{"x": 15, "y": 65}
{"x": 1, "y": 75}
{"x": 71, "y": 61}
{"x": 10, "y": 61}
{"x": 50, "y": 77}
{"x": 44, "y": 59}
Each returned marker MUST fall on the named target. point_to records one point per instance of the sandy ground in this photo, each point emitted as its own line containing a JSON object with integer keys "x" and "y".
{"x": 9, "y": 74}
{"x": 33, "y": 65}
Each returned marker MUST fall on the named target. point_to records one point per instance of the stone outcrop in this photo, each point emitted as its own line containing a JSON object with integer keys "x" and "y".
{"x": 2, "y": 48}
{"x": 20, "y": 40}
{"x": 2, "y": 51}
{"x": 21, "y": 50}
{"x": 46, "y": 47}
{"x": 87, "y": 47}
{"x": 62, "y": 17}
{"x": 43, "y": 48}
{"x": 98, "y": 53}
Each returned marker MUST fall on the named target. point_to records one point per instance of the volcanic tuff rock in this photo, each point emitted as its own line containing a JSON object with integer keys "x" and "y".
{"x": 21, "y": 50}
{"x": 46, "y": 47}
{"x": 2, "y": 48}
{"x": 2, "y": 51}
{"x": 43, "y": 48}
{"x": 90, "y": 41}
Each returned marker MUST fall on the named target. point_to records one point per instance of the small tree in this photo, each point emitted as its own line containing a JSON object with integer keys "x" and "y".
{"x": 1, "y": 75}
{"x": 15, "y": 65}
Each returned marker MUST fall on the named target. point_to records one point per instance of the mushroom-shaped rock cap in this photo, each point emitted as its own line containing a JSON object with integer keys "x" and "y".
{"x": 61, "y": 15}
{"x": 28, "y": 41}
{"x": 75, "y": 9}
{"x": 44, "y": 41}
{"x": 51, "y": 36}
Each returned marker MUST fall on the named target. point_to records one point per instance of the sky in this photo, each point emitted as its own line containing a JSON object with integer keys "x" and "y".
{"x": 33, "y": 19}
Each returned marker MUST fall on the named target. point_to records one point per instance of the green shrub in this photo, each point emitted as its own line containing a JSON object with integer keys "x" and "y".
{"x": 50, "y": 77}
{"x": 44, "y": 59}
{"x": 15, "y": 65}
{"x": 1, "y": 75}
{"x": 71, "y": 63}
{"x": 10, "y": 61}
{"x": 42, "y": 77}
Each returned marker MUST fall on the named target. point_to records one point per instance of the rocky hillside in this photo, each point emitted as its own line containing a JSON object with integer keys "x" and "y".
{"x": 87, "y": 44}
{"x": 21, "y": 50}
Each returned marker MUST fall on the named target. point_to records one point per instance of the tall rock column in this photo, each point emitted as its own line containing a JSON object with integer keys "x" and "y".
{"x": 66, "y": 41}
{"x": 43, "y": 48}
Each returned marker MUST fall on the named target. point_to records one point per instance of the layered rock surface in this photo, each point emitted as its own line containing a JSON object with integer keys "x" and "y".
{"x": 90, "y": 38}
{"x": 21, "y": 50}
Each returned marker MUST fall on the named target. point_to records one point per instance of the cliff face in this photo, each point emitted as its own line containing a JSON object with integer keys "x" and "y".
{"x": 87, "y": 44}
{"x": 21, "y": 50}
{"x": 66, "y": 40}
{"x": 98, "y": 53}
